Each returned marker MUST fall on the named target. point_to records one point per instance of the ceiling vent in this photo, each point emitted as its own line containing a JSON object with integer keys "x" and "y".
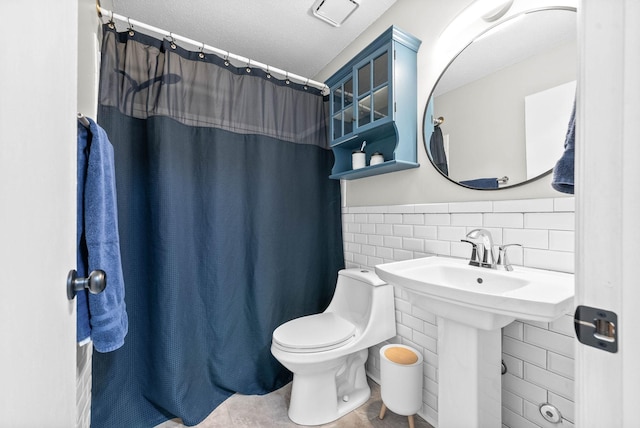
{"x": 334, "y": 12}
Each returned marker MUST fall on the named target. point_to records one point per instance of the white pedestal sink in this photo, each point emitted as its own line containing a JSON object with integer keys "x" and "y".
{"x": 472, "y": 304}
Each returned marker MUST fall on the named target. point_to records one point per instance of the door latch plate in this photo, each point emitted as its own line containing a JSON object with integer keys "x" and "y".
{"x": 596, "y": 327}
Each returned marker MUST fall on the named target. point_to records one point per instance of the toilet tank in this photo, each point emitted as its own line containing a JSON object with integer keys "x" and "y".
{"x": 355, "y": 292}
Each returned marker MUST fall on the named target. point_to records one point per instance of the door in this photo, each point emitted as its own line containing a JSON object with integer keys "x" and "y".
{"x": 608, "y": 208}
{"x": 37, "y": 213}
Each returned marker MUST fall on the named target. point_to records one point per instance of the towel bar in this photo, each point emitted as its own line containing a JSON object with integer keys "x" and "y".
{"x": 83, "y": 120}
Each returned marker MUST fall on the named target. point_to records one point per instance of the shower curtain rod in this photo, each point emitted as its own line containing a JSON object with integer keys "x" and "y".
{"x": 226, "y": 54}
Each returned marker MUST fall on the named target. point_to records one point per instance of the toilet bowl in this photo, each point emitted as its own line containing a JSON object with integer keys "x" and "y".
{"x": 327, "y": 352}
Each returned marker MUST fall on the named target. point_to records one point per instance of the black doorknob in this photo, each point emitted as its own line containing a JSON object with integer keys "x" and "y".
{"x": 95, "y": 283}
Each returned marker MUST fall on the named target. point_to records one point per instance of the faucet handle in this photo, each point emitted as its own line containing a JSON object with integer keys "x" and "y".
{"x": 473, "y": 260}
{"x": 503, "y": 261}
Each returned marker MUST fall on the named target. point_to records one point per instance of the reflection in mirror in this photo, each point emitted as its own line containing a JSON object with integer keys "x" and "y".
{"x": 505, "y": 101}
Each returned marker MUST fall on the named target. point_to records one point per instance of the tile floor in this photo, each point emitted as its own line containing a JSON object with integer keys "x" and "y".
{"x": 270, "y": 411}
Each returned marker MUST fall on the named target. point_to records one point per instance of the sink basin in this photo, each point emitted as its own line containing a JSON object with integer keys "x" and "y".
{"x": 484, "y": 298}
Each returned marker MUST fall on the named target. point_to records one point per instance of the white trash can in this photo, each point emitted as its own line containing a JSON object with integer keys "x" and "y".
{"x": 401, "y": 380}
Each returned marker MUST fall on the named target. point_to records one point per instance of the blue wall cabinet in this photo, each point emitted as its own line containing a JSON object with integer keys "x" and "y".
{"x": 373, "y": 98}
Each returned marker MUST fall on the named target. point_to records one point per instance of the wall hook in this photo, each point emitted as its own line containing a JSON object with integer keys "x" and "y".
{"x": 95, "y": 283}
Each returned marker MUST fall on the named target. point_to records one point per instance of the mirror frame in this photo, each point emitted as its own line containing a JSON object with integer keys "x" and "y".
{"x": 426, "y": 138}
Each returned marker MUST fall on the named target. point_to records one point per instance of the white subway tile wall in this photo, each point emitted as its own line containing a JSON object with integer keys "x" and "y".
{"x": 538, "y": 356}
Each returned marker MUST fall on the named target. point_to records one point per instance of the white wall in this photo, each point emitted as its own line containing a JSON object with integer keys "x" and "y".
{"x": 88, "y": 72}
{"x": 89, "y": 30}
{"x": 425, "y": 19}
{"x": 608, "y": 207}
{"x": 37, "y": 212}
{"x": 539, "y": 356}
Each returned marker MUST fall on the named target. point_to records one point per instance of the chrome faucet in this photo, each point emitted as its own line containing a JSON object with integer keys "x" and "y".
{"x": 503, "y": 260}
{"x": 482, "y": 252}
{"x": 473, "y": 260}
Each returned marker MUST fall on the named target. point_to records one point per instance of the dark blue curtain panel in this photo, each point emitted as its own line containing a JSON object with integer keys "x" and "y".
{"x": 229, "y": 226}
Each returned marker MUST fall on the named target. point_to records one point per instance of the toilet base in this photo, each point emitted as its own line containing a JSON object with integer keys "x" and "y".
{"x": 322, "y": 397}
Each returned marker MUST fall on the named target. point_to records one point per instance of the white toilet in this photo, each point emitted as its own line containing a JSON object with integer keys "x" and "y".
{"x": 326, "y": 352}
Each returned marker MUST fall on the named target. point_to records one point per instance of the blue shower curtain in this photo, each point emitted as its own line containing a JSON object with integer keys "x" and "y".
{"x": 229, "y": 226}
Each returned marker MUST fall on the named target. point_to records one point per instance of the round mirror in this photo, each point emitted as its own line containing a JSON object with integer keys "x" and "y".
{"x": 498, "y": 114}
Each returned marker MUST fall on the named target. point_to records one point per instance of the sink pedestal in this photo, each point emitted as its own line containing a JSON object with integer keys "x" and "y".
{"x": 469, "y": 380}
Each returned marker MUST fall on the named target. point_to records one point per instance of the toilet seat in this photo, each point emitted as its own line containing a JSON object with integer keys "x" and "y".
{"x": 313, "y": 333}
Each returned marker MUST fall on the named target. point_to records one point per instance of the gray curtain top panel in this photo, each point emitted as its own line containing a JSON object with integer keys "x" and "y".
{"x": 143, "y": 76}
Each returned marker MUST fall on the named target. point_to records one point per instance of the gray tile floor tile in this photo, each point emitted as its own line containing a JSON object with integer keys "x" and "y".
{"x": 270, "y": 411}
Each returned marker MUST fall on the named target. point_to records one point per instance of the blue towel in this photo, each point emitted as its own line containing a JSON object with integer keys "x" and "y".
{"x": 563, "y": 180}
{"x": 101, "y": 317}
{"x": 482, "y": 183}
{"x": 438, "y": 155}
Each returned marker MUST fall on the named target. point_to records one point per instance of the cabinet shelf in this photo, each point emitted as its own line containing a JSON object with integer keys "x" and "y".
{"x": 373, "y": 98}
{"x": 370, "y": 170}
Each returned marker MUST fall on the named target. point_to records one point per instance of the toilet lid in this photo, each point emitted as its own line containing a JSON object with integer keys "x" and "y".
{"x": 305, "y": 334}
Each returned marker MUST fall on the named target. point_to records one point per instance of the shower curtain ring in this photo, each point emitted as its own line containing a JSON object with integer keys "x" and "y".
{"x": 306, "y": 85}
{"x": 226, "y": 59}
{"x": 131, "y": 32}
{"x": 248, "y": 66}
{"x": 268, "y": 73}
{"x": 201, "y": 54}
{"x": 173, "y": 43}
{"x": 111, "y": 24}
{"x": 286, "y": 78}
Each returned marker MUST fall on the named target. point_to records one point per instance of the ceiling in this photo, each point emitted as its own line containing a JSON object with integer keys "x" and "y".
{"x": 281, "y": 33}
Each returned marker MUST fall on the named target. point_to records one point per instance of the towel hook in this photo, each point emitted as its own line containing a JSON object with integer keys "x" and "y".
{"x": 95, "y": 283}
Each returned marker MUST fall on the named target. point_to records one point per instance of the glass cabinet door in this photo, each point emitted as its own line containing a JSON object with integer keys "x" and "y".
{"x": 373, "y": 89}
{"x": 343, "y": 116}
{"x": 348, "y": 107}
{"x": 380, "y": 107}
{"x": 364, "y": 94}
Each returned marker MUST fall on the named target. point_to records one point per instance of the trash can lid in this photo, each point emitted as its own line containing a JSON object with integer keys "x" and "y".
{"x": 401, "y": 355}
